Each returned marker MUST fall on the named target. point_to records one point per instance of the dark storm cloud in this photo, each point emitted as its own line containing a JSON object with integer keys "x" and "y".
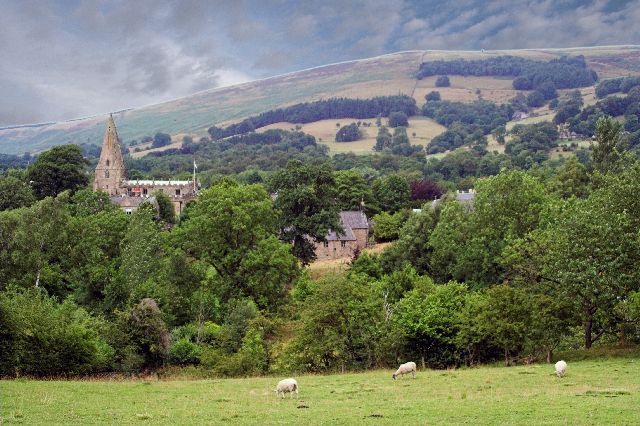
{"x": 63, "y": 59}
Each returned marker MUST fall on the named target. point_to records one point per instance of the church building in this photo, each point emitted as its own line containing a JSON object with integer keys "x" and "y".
{"x": 111, "y": 177}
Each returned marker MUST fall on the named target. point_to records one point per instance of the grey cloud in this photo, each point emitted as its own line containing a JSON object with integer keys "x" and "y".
{"x": 64, "y": 59}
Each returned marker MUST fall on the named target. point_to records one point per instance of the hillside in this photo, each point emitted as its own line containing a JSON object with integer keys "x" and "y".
{"x": 384, "y": 75}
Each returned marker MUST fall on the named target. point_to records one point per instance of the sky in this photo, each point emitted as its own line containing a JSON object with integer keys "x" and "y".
{"x": 76, "y": 58}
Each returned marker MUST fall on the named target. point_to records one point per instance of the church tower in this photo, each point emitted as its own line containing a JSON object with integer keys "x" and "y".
{"x": 110, "y": 170}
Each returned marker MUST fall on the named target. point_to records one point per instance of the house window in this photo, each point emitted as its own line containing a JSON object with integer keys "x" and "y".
{"x": 177, "y": 192}
{"x": 144, "y": 191}
{"x": 106, "y": 173}
{"x": 343, "y": 244}
{"x": 128, "y": 211}
{"x": 326, "y": 243}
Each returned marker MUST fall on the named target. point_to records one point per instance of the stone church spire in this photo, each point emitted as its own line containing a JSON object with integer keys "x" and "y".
{"x": 110, "y": 171}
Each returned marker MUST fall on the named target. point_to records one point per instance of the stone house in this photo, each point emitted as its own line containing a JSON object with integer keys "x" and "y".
{"x": 344, "y": 245}
{"x": 111, "y": 177}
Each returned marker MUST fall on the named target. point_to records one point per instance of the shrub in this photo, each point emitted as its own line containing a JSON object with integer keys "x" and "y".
{"x": 42, "y": 337}
{"x": 432, "y": 96}
{"x": 443, "y": 81}
{"x": 348, "y": 133}
{"x": 184, "y": 352}
{"x": 398, "y": 119}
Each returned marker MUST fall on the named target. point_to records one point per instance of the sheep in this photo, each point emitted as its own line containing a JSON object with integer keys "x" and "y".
{"x": 287, "y": 385}
{"x": 561, "y": 368}
{"x": 406, "y": 368}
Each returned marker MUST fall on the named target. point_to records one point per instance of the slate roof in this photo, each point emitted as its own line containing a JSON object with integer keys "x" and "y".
{"x": 353, "y": 219}
{"x": 349, "y": 220}
{"x": 461, "y": 197}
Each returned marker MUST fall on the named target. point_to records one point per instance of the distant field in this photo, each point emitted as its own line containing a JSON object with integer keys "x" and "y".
{"x": 464, "y": 89}
{"x": 324, "y": 131}
{"x": 594, "y": 392}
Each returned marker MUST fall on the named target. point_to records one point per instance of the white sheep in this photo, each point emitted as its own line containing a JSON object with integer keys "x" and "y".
{"x": 561, "y": 368}
{"x": 287, "y": 385}
{"x": 406, "y": 368}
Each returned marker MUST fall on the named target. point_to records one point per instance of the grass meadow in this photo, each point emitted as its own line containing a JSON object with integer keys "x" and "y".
{"x": 594, "y": 391}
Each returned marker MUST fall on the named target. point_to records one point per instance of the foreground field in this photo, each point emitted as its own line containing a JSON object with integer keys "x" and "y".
{"x": 593, "y": 392}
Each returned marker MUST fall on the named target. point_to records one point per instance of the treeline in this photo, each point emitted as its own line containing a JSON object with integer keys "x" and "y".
{"x": 615, "y": 85}
{"x": 565, "y": 72}
{"x": 321, "y": 110}
{"x": 266, "y": 151}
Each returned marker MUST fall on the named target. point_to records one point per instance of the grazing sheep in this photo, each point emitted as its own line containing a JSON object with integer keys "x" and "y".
{"x": 406, "y": 368}
{"x": 287, "y": 385}
{"x": 561, "y": 368}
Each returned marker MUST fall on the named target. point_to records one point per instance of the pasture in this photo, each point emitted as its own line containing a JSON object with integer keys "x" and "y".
{"x": 595, "y": 391}
{"x": 324, "y": 131}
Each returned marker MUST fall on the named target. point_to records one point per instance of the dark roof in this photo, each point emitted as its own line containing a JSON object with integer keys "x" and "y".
{"x": 461, "y": 197}
{"x": 349, "y": 220}
{"x": 353, "y": 219}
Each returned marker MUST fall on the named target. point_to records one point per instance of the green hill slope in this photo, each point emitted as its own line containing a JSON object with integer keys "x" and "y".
{"x": 384, "y": 75}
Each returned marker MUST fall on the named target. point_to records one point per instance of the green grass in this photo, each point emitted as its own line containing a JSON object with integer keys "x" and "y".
{"x": 594, "y": 391}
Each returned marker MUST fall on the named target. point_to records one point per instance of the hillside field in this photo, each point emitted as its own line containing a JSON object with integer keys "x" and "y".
{"x": 600, "y": 391}
{"x": 324, "y": 131}
{"x": 389, "y": 74}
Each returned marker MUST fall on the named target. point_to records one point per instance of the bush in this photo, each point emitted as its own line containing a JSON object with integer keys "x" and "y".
{"x": 398, "y": 119}
{"x": 386, "y": 227}
{"x": 348, "y": 133}
{"x": 432, "y": 96}
{"x": 443, "y": 81}
{"x": 39, "y": 336}
{"x": 184, "y": 352}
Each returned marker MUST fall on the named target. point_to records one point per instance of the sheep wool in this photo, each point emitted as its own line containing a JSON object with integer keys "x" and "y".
{"x": 561, "y": 368}
{"x": 406, "y": 368}
{"x": 287, "y": 385}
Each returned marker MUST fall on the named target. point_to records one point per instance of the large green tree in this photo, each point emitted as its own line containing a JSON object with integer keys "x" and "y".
{"x": 305, "y": 198}
{"x": 14, "y": 193}
{"x": 233, "y": 228}
{"x": 585, "y": 251}
{"x": 58, "y": 169}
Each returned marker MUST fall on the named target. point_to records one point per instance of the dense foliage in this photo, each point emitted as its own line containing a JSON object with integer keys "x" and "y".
{"x": 321, "y": 110}
{"x": 563, "y": 73}
{"x": 466, "y": 123}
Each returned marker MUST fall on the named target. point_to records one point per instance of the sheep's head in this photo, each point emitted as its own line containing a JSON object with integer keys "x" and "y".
{"x": 393, "y": 376}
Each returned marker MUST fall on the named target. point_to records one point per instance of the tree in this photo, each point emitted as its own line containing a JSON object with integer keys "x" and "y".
{"x": 348, "y": 133}
{"x": 398, "y": 119}
{"x": 425, "y": 190}
{"x": 387, "y": 226}
{"x": 571, "y": 179}
{"x": 430, "y": 322}
{"x": 161, "y": 139}
{"x": 338, "y": 325}
{"x": 560, "y": 256}
{"x": 14, "y": 193}
{"x": 352, "y": 190}
{"x": 306, "y": 202}
{"x": 383, "y": 140}
{"x": 432, "y": 96}
{"x": 392, "y": 192}
{"x": 166, "y": 211}
{"x": 233, "y": 229}
{"x": 412, "y": 246}
{"x": 443, "y": 81}
{"x": 57, "y": 170}
{"x": 608, "y": 150}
